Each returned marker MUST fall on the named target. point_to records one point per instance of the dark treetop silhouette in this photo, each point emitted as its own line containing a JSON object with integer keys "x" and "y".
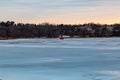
{"x": 11, "y": 30}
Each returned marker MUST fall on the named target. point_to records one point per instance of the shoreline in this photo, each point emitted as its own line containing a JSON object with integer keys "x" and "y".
{"x": 11, "y": 30}
{"x": 9, "y": 38}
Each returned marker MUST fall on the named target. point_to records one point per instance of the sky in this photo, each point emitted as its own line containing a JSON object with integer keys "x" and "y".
{"x": 60, "y": 11}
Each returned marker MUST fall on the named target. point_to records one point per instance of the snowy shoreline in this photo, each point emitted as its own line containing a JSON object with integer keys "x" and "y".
{"x": 9, "y": 38}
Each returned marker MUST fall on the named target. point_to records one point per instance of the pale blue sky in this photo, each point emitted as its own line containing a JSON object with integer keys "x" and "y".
{"x": 60, "y": 11}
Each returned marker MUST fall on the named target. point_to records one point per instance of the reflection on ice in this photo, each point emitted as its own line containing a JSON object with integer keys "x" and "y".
{"x": 115, "y": 74}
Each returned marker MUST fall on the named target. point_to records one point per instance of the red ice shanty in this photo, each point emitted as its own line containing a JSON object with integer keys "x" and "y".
{"x": 61, "y": 37}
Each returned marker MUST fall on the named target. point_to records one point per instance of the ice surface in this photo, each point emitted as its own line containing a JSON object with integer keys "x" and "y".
{"x": 54, "y": 59}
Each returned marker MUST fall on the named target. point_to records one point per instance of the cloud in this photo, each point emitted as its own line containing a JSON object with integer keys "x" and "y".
{"x": 50, "y": 4}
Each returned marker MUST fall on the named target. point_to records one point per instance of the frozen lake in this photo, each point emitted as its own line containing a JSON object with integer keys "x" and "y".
{"x": 54, "y": 59}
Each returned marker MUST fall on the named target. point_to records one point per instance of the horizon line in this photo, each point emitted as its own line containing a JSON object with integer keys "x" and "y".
{"x": 17, "y": 22}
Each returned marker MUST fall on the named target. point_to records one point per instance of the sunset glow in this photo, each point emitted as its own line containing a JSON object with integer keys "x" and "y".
{"x": 61, "y": 11}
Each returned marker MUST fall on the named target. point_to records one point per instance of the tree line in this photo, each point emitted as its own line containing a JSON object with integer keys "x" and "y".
{"x": 10, "y": 29}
